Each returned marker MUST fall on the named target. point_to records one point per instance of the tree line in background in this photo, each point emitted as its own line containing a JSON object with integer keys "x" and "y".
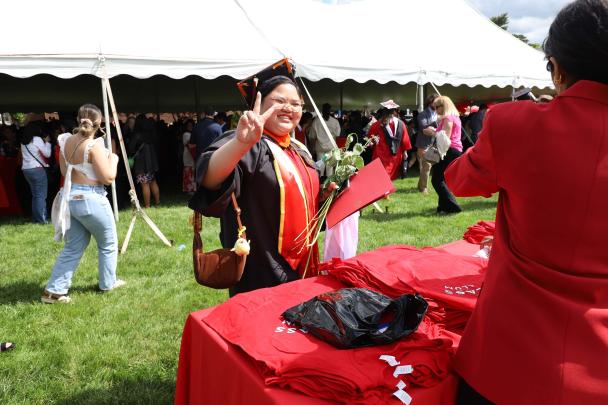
{"x": 502, "y": 21}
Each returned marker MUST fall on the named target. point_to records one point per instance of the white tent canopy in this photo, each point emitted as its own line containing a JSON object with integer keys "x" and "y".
{"x": 67, "y": 38}
{"x": 362, "y": 40}
{"x": 365, "y": 40}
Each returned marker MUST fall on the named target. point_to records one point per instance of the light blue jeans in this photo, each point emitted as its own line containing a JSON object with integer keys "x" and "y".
{"x": 90, "y": 215}
{"x": 36, "y": 178}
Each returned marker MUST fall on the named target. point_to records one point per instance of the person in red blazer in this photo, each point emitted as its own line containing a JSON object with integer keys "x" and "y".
{"x": 539, "y": 332}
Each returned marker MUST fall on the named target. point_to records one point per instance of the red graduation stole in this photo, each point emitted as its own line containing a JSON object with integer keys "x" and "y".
{"x": 298, "y": 205}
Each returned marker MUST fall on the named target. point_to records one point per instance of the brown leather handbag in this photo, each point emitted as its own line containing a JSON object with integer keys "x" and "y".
{"x": 220, "y": 268}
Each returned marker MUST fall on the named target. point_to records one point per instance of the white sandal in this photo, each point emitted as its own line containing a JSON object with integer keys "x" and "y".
{"x": 51, "y": 298}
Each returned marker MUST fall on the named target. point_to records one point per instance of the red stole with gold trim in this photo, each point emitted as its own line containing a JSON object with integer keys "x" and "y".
{"x": 298, "y": 189}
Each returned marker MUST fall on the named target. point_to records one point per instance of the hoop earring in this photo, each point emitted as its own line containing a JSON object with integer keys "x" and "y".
{"x": 559, "y": 79}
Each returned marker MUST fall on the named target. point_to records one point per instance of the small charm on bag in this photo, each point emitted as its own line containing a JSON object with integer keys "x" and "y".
{"x": 241, "y": 246}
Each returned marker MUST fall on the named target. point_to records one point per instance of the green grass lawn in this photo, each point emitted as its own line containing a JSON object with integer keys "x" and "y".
{"x": 122, "y": 347}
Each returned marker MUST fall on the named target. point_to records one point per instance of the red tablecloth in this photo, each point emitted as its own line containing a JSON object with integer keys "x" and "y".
{"x": 9, "y": 203}
{"x": 213, "y": 371}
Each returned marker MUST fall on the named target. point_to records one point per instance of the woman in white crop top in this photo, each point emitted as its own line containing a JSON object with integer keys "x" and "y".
{"x": 84, "y": 209}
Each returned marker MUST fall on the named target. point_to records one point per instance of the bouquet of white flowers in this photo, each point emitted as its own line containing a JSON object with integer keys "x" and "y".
{"x": 344, "y": 163}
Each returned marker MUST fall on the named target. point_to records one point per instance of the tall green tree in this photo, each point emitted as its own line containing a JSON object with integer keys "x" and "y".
{"x": 502, "y": 20}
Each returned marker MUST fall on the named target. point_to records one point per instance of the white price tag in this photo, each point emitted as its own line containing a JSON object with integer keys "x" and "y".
{"x": 403, "y": 396}
{"x": 391, "y": 360}
{"x": 403, "y": 370}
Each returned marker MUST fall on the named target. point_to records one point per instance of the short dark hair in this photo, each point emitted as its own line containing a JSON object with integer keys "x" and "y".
{"x": 578, "y": 40}
{"x": 267, "y": 86}
{"x": 30, "y": 131}
{"x": 307, "y": 116}
{"x": 208, "y": 110}
{"x": 429, "y": 99}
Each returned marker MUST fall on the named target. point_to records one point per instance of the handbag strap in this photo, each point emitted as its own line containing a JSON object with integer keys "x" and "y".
{"x": 197, "y": 222}
{"x": 35, "y": 158}
{"x": 237, "y": 209}
{"x": 74, "y": 152}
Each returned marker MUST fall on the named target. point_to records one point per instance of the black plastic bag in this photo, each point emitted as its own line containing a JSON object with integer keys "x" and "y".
{"x": 357, "y": 317}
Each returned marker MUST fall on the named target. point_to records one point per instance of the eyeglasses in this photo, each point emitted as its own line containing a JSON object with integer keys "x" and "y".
{"x": 549, "y": 66}
{"x": 293, "y": 104}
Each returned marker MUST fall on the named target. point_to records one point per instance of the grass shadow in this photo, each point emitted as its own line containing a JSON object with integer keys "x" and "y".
{"x": 393, "y": 216}
{"x": 149, "y": 390}
{"x": 477, "y": 205}
{"x": 408, "y": 190}
{"x": 15, "y": 220}
{"x": 20, "y": 292}
{"x": 85, "y": 289}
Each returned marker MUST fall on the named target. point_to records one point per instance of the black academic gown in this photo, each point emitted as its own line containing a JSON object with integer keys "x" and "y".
{"x": 255, "y": 185}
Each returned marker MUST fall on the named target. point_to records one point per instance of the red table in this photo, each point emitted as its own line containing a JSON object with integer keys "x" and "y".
{"x": 213, "y": 371}
{"x": 9, "y": 203}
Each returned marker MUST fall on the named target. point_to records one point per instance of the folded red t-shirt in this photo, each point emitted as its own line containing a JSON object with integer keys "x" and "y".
{"x": 291, "y": 358}
{"x": 477, "y": 233}
{"x": 452, "y": 280}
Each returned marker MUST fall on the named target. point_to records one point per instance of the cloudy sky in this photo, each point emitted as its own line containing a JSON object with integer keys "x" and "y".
{"x": 529, "y": 17}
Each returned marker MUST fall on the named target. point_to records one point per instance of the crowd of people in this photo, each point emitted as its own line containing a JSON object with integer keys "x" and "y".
{"x": 166, "y": 154}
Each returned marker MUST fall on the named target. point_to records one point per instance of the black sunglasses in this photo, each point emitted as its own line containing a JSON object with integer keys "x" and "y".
{"x": 549, "y": 66}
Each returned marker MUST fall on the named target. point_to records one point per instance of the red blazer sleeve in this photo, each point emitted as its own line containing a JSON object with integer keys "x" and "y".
{"x": 474, "y": 173}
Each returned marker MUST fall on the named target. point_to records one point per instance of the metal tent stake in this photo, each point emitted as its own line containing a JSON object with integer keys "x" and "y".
{"x": 137, "y": 209}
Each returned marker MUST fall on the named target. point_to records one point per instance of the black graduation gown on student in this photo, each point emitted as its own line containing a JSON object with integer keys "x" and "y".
{"x": 254, "y": 182}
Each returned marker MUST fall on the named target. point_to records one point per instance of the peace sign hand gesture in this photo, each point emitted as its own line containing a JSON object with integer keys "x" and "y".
{"x": 251, "y": 124}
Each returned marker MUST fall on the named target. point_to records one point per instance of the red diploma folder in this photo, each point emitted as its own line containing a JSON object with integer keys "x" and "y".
{"x": 366, "y": 186}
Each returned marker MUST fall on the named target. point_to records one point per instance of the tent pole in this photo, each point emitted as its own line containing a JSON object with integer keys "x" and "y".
{"x": 341, "y": 99}
{"x": 109, "y": 143}
{"x": 156, "y": 100}
{"x": 137, "y": 210}
{"x": 420, "y": 98}
{"x": 197, "y": 104}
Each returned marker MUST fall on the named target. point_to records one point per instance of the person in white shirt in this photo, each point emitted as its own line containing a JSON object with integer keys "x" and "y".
{"x": 319, "y": 141}
{"x": 35, "y": 152}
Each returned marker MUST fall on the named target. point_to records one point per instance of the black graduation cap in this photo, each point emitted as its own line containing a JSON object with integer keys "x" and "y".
{"x": 248, "y": 87}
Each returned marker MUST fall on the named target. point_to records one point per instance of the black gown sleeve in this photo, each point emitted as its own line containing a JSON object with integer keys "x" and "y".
{"x": 213, "y": 203}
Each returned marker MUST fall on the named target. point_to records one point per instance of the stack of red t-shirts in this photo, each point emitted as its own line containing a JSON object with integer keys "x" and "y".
{"x": 291, "y": 358}
{"x": 477, "y": 233}
{"x": 449, "y": 282}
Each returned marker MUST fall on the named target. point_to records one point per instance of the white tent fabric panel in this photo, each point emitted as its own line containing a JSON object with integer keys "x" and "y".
{"x": 66, "y": 38}
{"x": 452, "y": 43}
{"x": 362, "y": 40}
